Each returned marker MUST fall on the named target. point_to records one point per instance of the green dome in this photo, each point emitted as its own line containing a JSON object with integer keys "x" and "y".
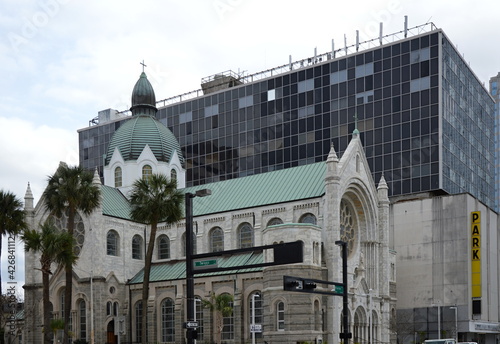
{"x": 139, "y": 131}
{"x": 143, "y": 97}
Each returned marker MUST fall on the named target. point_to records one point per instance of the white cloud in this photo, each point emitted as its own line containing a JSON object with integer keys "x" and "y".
{"x": 30, "y": 153}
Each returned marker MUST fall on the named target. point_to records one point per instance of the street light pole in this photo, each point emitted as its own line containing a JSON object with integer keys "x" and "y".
{"x": 194, "y": 310}
{"x": 456, "y": 322}
{"x": 345, "y": 316}
{"x": 438, "y": 305}
{"x": 253, "y": 316}
{"x": 189, "y": 259}
{"x": 92, "y": 338}
{"x": 370, "y": 320}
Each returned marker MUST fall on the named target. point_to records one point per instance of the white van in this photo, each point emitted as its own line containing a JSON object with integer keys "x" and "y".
{"x": 441, "y": 341}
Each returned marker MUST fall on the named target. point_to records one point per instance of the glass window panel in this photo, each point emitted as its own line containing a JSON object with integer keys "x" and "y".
{"x": 280, "y": 316}
{"x": 112, "y": 243}
{"x": 168, "y": 320}
{"x": 137, "y": 247}
{"x": 163, "y": 247}
{"x": 246, "y": 236}
{"x": 216, "y": 240}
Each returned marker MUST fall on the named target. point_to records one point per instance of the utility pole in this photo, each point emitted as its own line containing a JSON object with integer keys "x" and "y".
{"x": 191, "y": 331}
{"x": 345, "y": 316}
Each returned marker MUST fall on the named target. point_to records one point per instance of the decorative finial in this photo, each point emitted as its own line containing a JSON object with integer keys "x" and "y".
{"x": 355, "y": 131}
{"x": 143, "y": 65}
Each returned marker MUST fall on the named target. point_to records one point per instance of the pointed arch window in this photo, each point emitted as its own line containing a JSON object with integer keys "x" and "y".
{"x": 137, "y": 247}
{"x": 245, "y": 236}
{"x": 163, "y": 243}
{"x": 216, "y": 239}
{"x": 147, "y": 171}
{"x": 112, "y": 243}
{"x": 168, "y": 320}
{"x": 62, "y": 297}
{"x": 138, "y": 321}
{"x": 228, "y": 321}
{"x": 115, "y": 308}
{"x": 82, "y": 312}
{"x": 109, "y": 305}
{"x": 118, "y": 177}
{"x": 347, "y": 225}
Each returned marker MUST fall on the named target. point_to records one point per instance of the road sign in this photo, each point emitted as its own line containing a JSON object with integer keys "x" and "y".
{"x": 191, "y": 324}
{"x": 205, "y": 264}
{"x": 339, "y": 289}
{"x": 255, "y": 328}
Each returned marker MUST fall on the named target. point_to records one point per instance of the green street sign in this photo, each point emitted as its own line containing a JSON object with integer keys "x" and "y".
{"x": 205, "y": 264}
{"x": 339, "y": 289}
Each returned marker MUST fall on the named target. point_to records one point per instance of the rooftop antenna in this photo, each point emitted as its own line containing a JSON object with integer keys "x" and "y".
{"x": 345, "y": 43}
{"x": 290, "y": 61}
{"x": 143, "y": 65}
{"x": 333, "y": 48}
{"x": 357, "y": 40}
{"x": 381, "y": 32}
{"x": 406, "y": 26}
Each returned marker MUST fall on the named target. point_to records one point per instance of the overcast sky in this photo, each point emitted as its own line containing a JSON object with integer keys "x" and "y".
{"x": 62, "y": 61}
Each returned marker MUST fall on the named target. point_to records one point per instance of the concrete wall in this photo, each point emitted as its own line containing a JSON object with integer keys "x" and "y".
{"x": 432, "y": 239}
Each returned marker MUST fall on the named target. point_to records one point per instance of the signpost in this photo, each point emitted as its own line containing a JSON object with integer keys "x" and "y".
{"x": 205, "y": 264}
{"x": 191, "y": 324}
{"x": 255, "y": 328}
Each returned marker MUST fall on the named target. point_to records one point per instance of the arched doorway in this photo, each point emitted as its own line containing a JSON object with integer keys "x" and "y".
{"x": 110, "y": 336}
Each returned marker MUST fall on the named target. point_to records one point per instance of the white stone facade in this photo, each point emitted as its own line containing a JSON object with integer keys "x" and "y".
{"x": 351, "y": 209}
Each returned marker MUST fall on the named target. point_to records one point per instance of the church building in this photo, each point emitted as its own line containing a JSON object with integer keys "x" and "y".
{"x": 316, "y": 204}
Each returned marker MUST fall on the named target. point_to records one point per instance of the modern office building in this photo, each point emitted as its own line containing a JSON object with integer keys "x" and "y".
{"x": 494, "y": 83}
{"x": 425, "y": 119}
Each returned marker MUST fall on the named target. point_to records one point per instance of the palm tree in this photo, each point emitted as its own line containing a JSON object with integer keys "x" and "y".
{"x": 54, "y": 246}
{"x": 70, "y": 190}
{"x": 222, "y": 306}
{"x": 153, "y": 200}
{"x": 55, "y": 326}
{"x": 12, "y": 219}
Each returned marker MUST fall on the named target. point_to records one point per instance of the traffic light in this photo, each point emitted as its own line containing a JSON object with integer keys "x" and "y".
{"x": 292, "y": 283}
{"x": 298, "y": 284}
{"x": 192, "y": 333}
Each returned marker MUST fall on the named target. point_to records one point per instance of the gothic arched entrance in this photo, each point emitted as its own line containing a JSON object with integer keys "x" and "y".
{"x": 110, "y": 334}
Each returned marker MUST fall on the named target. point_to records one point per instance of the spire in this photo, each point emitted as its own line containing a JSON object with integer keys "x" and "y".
{"x": 28, "y": 199}
{"x": 143, "y": 97}
{"x": 332, "y": 156}
{"x": 332, "y": 162}
{"x": 97, "y": 179}
{"x": 383, "y": 190}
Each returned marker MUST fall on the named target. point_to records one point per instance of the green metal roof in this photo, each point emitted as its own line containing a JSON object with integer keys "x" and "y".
{"x": 170, "y": 271}
{"x": 114, "y": 203}
{"x": 280, "y": 186}
{"x": 139, "y": 131}
{"x": 143, "y": 97}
